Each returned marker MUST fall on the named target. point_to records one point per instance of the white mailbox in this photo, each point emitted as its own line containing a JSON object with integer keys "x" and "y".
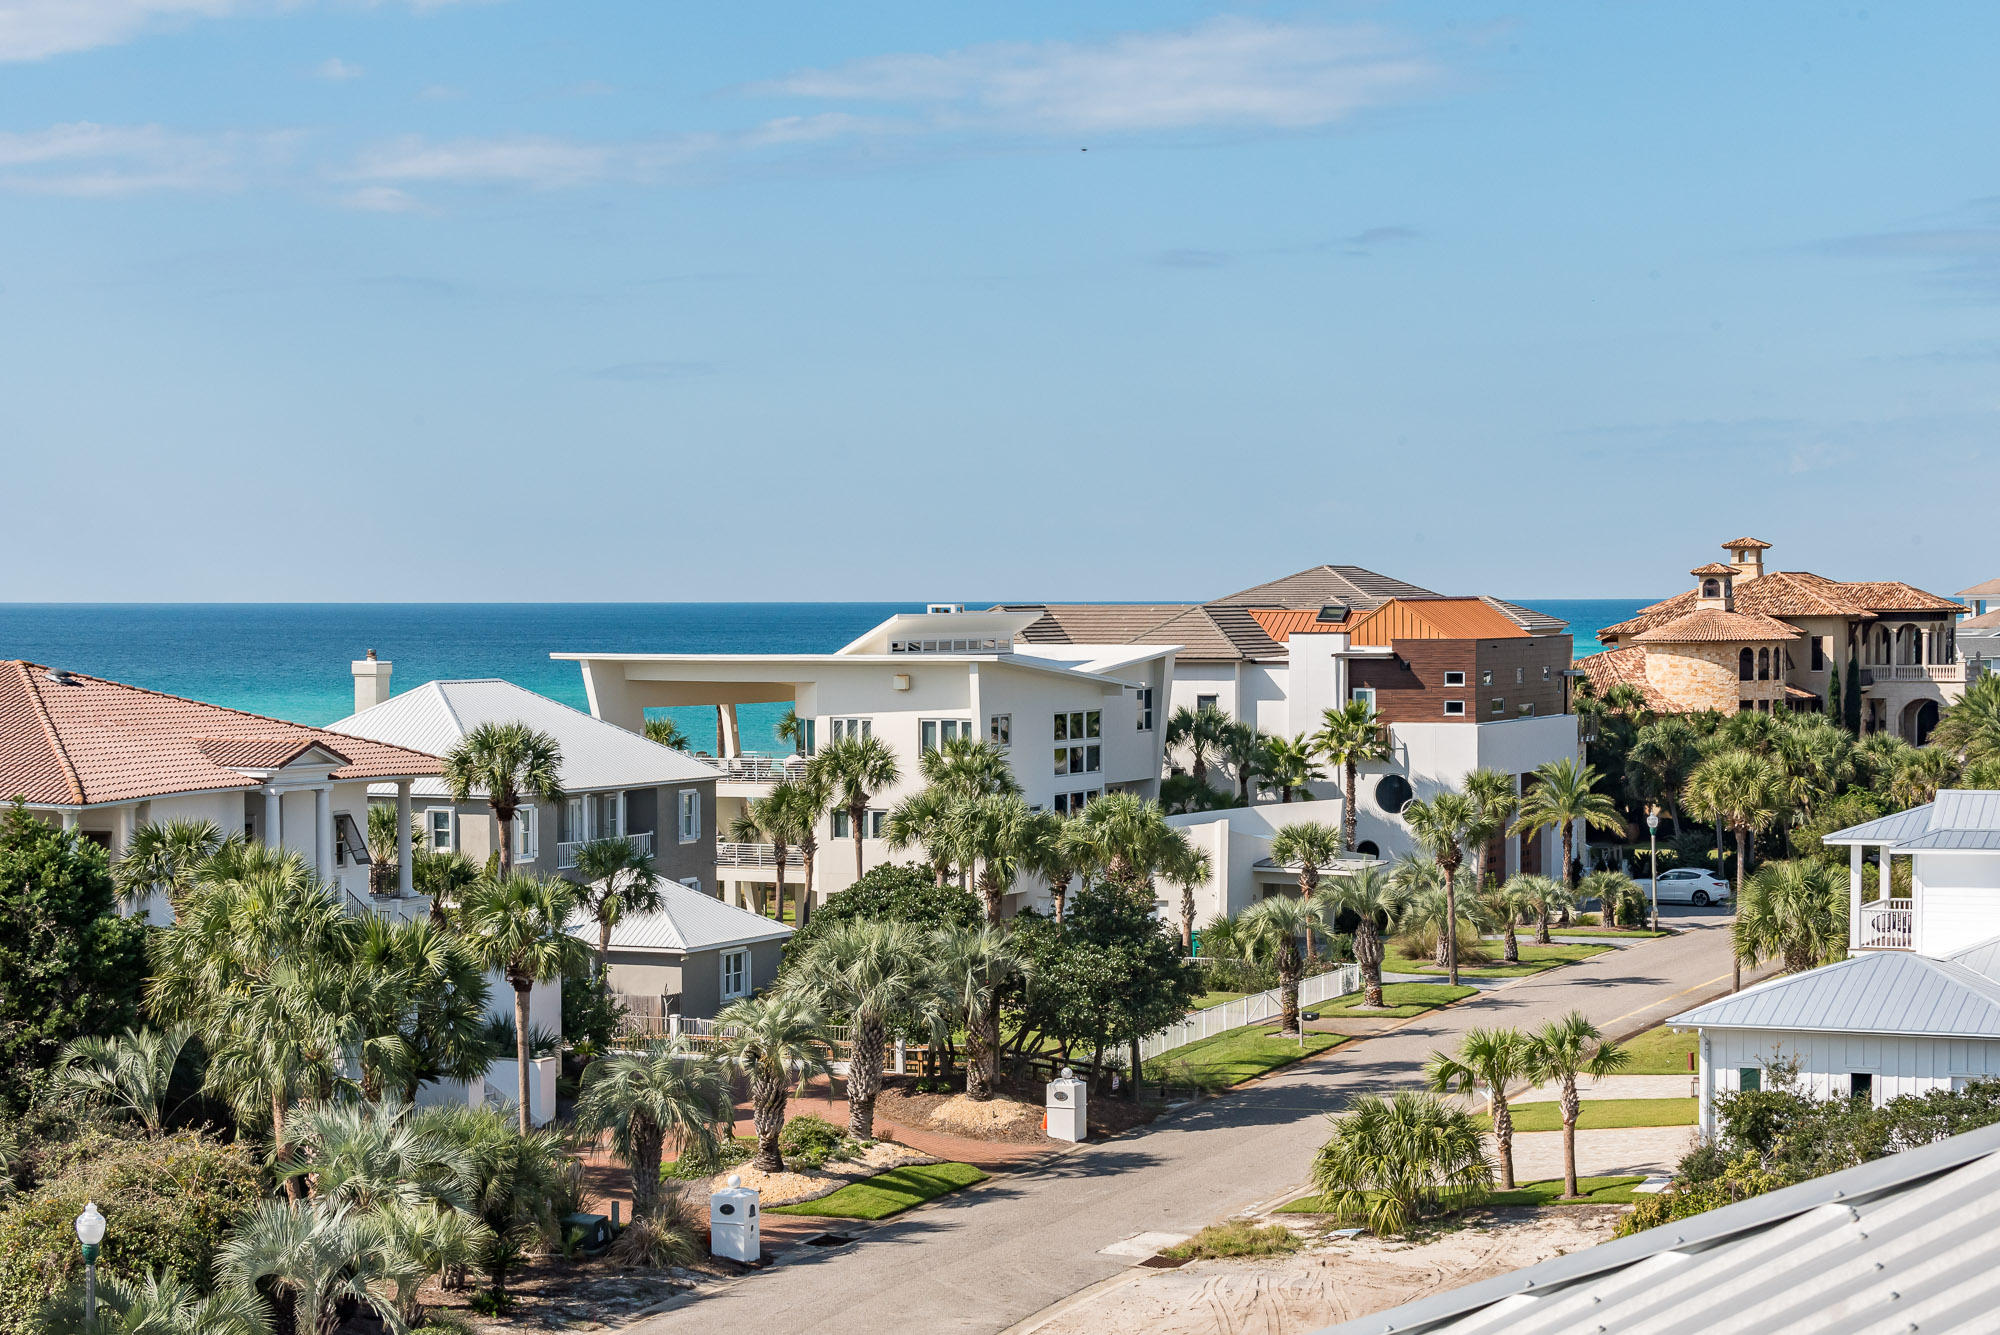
{"x": 732, "y": 1222}
{"x": 1068, "y": 1107}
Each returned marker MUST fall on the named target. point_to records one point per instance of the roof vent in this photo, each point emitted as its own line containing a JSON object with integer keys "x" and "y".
{"x": 1332, "y": 612}
{"x": 62, "y": 678}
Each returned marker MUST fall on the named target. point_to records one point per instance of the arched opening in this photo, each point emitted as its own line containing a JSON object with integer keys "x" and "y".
{"x": 1711, "y": 588}
{"x": 1746, "y": 666}
{"x": 1920, "y": 717}
{"x": 1763, "y": 674}
{"x": 1367, "y": 849}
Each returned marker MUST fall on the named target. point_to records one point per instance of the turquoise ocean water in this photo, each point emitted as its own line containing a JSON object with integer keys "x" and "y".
{"x": 291, "y": 660}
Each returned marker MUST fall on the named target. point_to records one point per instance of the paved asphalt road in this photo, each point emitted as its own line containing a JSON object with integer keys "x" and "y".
{"x": 987, "y": 1258}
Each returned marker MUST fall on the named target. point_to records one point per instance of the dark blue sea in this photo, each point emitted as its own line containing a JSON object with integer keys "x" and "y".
{"x": 290, "y": 660}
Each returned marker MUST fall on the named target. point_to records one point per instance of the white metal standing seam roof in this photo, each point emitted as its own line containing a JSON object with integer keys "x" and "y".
{"x": 595, "y": 754}
{"x": 1878, "y": 992}
{"x": 1960, "y": 819}
{"x": 1905, "y": 1243}
{"x": 687, "y": 921}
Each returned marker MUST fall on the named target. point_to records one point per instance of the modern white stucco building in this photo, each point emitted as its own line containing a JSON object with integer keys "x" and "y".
{"x": 1078, "y": 720}
{"x": 1915, "y": 1006}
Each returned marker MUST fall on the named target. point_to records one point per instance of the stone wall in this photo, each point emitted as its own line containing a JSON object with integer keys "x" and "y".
{"x": 1704, "y": 676}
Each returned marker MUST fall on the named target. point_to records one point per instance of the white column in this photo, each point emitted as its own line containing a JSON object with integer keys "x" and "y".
{"x": 70, "y": 819}
{"x": 323, "y": 831}
{"x": 1853, "y": 896}
{"x": 1707, "y": 1096}
{"x": 125, "y": 823}
{"x": 728, "y": 737}
{"x": 405, "y": 872}
{"x": 274, "y": 819}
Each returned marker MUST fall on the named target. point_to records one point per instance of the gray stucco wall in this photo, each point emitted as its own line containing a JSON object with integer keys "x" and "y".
{"x": 696, "y": 977}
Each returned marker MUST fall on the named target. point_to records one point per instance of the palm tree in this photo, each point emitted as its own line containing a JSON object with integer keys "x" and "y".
{"x": 854, "y": 769}
{"x": 972, "y": 965}
{"x": 133, "y": 1071}
{"x": 965, "y": 767}
{"x": 1348, "y": 736}
{"x": 1617, "y": 895}
{"x": 1309, "y": 844}
{"x": 1494, "y": 803}
{"x": 778, "y": 1040}
{"x": 427, "y": 1241}
{"x": 1489, "y": 1058}
{"x": 510, "y": 764}
{"x": 645, "y": 1099}
{"x": 771, "y": 820}
{"x": 384, "y": 847}
{"x": 1523, "y": 896}
{"x": 668, "y": 733}
{"x": 1291, "y": 765}
{"x": 1815, "y": 761}
{"x": 1430, "y": 910}
{"x": 922, "y": 821}
{"x": 314, "y": 1259}
{"x": 1796, "y": 911}
{"x": 999, "y": 835}
{"x": 160, "y": 1304}
{"x": 363, "y": 1155}
{"x": 1243, "y": 749}
{"x": 1739, "y": 790}
{"x": 519, "y": 925}
{"x": 1065, "y": 852}
{"x": 168, "y": 858}
{"x": 803, "y": 798}
{"x": 1200, "y": 732}
{"x": 1563, "y": 794}
{"x": 1131, "y": 839}
{"x": 1559, "y": 1052}
{"x": 512, "y": 1180}
{"x": 1394, "y": 1159}
{"x": 1657, "y": 765}
{"x": 1192, "y": 869}
{"x": 1277, "y": 925}
{"x": 1441, "y": 824}
{"x": 442, "y": 875}
{"x": 1376, "y": 902}
{"x": 614, "y": 877}
{"x": 867, "y": 972}
{"x": 420, "y": 1005}
{"x": 1925, "y": 770}
{"x": 1971, "y": 727}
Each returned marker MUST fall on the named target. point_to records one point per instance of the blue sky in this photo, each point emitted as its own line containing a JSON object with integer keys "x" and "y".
{"x": 527, "y": 300}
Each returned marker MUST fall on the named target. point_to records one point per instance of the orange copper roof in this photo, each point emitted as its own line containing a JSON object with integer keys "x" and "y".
{"x": 76, "y": 740}
{"x": 1281, "y": 623}
{"x": 1711, "y": 626}
{"x": 1433, "y": 619}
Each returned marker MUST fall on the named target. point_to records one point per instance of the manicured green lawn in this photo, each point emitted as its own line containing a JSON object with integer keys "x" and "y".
{"x": 1605, "y": 931}
{"x": 888, "y": 1193}
{"x": 1207, "y": 999}
{"x": 1596, "y": 1191}
{"x": 1231, "y": 1058}
{"x": 1534, "y": 959}
{"x": 1661, "y": 1051}
{"x": 1404, "y": 1000}
{"x": 1602, "y": 1114}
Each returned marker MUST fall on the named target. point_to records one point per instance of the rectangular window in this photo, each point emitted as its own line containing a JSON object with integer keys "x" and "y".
{"x": 1202, "y": 702}
{"x": 1000, "y": 729}
{"x": 692, "y": 882}
{"x": 735, "y": 974}
{"x": 438, "y": 828}
{"x": 572, "y": 829}
{"x": 607, "y": 816}
{"x": 1545, "y": 672}
{"x": 932, "y": 732}
{"x": 1454, "y": 679}
{"x": 1070, "y": 804}
{"x": 840, "y": 729}
{"x": 1527, "y": 710}
{"x": 1486, "y": 676}
{"x": 524, "y": 834}
{"x": 1499, "y": 706}
{"x": 1861, "y": 1085}
{"x": 1454, "y": 709}
{"x": 690, "y": 815}
{"x": 1818, "y": 654}
{"x": 871, "y": 824}
{"x": 1078, "y": 725}
{"x": 1145, "y": 709}
{"x": 1365, "y": 694}
{"x": 349, "y": 848}
{"x": 1749, "y": 1079}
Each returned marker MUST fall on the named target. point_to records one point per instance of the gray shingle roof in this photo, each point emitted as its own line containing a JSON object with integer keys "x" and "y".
{"x": 1902, "y": 1243}
{"x": 1880, "y": 992}
{"x": 1960, "y": 818}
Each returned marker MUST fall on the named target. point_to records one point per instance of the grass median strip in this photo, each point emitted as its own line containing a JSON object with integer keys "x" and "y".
{"x": 1403, "y": 1000}
{"x": 1601, "y": 1114}
{"x": 1534, "y": 959}
{"x": 1231, "y": 1058}
{"x": 888, "y": 1193}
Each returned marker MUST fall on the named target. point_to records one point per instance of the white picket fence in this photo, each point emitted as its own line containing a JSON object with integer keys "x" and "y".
{"x": 1253, "y": 1009}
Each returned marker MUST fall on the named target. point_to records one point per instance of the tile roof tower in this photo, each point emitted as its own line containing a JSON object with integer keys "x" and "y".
{"x": 1746, "y": 555}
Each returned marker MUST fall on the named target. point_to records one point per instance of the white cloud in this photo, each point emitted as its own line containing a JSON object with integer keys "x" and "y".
{"x": 536, "y": 161}
{"x": 86, "y": 159}
{"x": 1229, "y": 72}
{"x": 38, "y": 29}
{"x": 382, "y": 199}
{"x": 336, "y": 69}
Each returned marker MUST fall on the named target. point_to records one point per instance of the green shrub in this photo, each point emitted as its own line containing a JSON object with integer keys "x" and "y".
{"x": 167, "y": 1202}
{"x": 729, "y": 1154}
{"x": 808, "y": 1141}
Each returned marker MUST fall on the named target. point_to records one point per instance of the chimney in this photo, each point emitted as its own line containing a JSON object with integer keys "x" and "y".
{"x": 1746, "y": 558}
{"x": 371, "y": 682}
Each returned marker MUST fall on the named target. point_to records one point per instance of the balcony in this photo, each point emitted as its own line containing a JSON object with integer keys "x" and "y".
{"x": 1885, "y": 925}
{"x": 1941, "y": 672}
{"x": 566, "y": 852}
{"x": 754, "y": 855}
{"x": 757, "y": 768}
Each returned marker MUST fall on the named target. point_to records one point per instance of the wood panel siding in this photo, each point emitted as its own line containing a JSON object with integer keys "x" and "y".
{"x": 1525, "y": 672}
{"x": 1411, "y": 687}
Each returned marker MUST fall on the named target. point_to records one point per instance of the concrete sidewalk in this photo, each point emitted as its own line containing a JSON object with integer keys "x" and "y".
{"x": 993, "y": 1256}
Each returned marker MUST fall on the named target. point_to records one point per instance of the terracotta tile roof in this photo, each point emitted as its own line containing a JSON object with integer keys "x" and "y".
{"x": 73, "y": 740}
{"x": 1758, "y": 543}
{"x": 1623, "y": 667}
{"x": 1433, "y": 619}
{"x": 1711, "y": 626}
{"x": 1713, "y": 568}
{"x": 1892, "y": 595}
{"x": 1793, "y": 593}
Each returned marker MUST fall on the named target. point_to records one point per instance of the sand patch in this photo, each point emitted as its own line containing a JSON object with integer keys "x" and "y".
{"x": 984, "y": 1119}
{"x": 791, "y": 1187}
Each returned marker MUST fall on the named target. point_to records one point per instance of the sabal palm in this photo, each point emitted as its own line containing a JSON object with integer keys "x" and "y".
{"x": 778, "y": 1040}
{"x": 1065, "y": 852}
{"x": 1394, "y": 1159}
{"x": 867, "y": 972}
{"x": 1310, "y": 846}
{"x": 384, "y": 836}
{"x": 1522, "y": 897}
{"x": 668, "y": 733}
{"x": 922, "y": 821}
{"x": 512, "y": 1179}
{"x": 426, "y": 1242}
{"x": 1656, "y": 767}
{"x": 774, "y": 821}
{"x": 1291, "y": 765}
{"x": 854, "y": 769}
{"x": 1244, "y": 750}
{"x": 133, "y": 1072}
{"x": 364, "y": 1155}
{"x": 160, "y": 1304}
{"x": 509, "y": 764}
{"x": 999, "y": 835}
{"x": 972, "y": 965}
{"x": 314, "y": 1257}
{"x": 1198, "y": 732}
{"x": 1618, "y": 896}
{"x": 1190, "y": 869}
{"x": 803, "y": 799}
{"x": 1815, "y": 759}
{"x": 1561, "y": 1052}
{"x": 1494, "y": 803}
{"x": 1347, "y": 737}
{"x": 1443, "y": 916}
{"x": 614, "y": 877}
{"x": 644, "y": 1100}
{"x": 1131, "y": 837}
{"x": 1739, "y": 790}
{"x": 1491, "y": 1059}
{"x": 1796, "y": 911}
{"x": 419, "y": 999}
{"x": 1971, "y": 726}
{"x": 1925, "y": 770}
{"x": 1443, "y": 823}
{"x": 1564, "y": 793}
{"x": 966, "y": 767}
{"x": 1376, "y": 901}
{"x": 519, "y": 925}
{"x": 167, "y": 857}
{"x": 282, "y": 1040}
{"x": 1277, "y": 926}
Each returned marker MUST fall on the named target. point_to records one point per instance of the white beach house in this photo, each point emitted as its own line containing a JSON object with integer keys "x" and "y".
{"x": 1915, "y": 1006}
{"x": 1078, "y": 720}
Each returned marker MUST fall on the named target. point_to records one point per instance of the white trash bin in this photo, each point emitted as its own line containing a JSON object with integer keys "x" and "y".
{"x": 1068, "y": 1107}
{"x": 733, "y": 1228}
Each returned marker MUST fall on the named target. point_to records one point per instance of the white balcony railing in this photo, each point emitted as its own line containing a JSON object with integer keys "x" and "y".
{"x": 1885, "y": 925}
{"x": 754, "y": 855}
{"x": 566, "y": 852}
{"x": 1941, "y": 672}
{"x": 758, "y": 768}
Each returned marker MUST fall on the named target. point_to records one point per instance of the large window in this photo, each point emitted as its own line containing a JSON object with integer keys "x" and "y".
{"x": 932, "y": 732}
{"x": 1079, "y": 759}
{"x": 526, "y": 831}
{"x": 607, "y": 815}
{"x": 871, "y": 824}
{"x": 690, "y": 814}
{"x": 438, "y": 827}
{"x": 1070, "y": 803}
{"x": 735, "y": 974}
{"x": 839, "y": 729}
{"x": 1454, "y": 679}
{"x": 1145, "y": 709}
{"x": 1818, "y": 654}
{"x": 1078, "y": 725}
{"x": 1746, "y": 666}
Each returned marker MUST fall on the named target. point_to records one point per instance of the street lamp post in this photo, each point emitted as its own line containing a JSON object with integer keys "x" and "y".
{"x": 1653, "y": 835}
{"x": 90, "y": 1232}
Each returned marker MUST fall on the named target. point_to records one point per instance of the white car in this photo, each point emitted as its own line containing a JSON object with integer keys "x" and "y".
{"x": 1691, "y": 885}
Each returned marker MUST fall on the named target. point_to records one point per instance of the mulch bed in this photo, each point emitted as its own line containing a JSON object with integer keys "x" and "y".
{"x": 1109, "y": 1113}
{"x": 553, "y": 1294}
